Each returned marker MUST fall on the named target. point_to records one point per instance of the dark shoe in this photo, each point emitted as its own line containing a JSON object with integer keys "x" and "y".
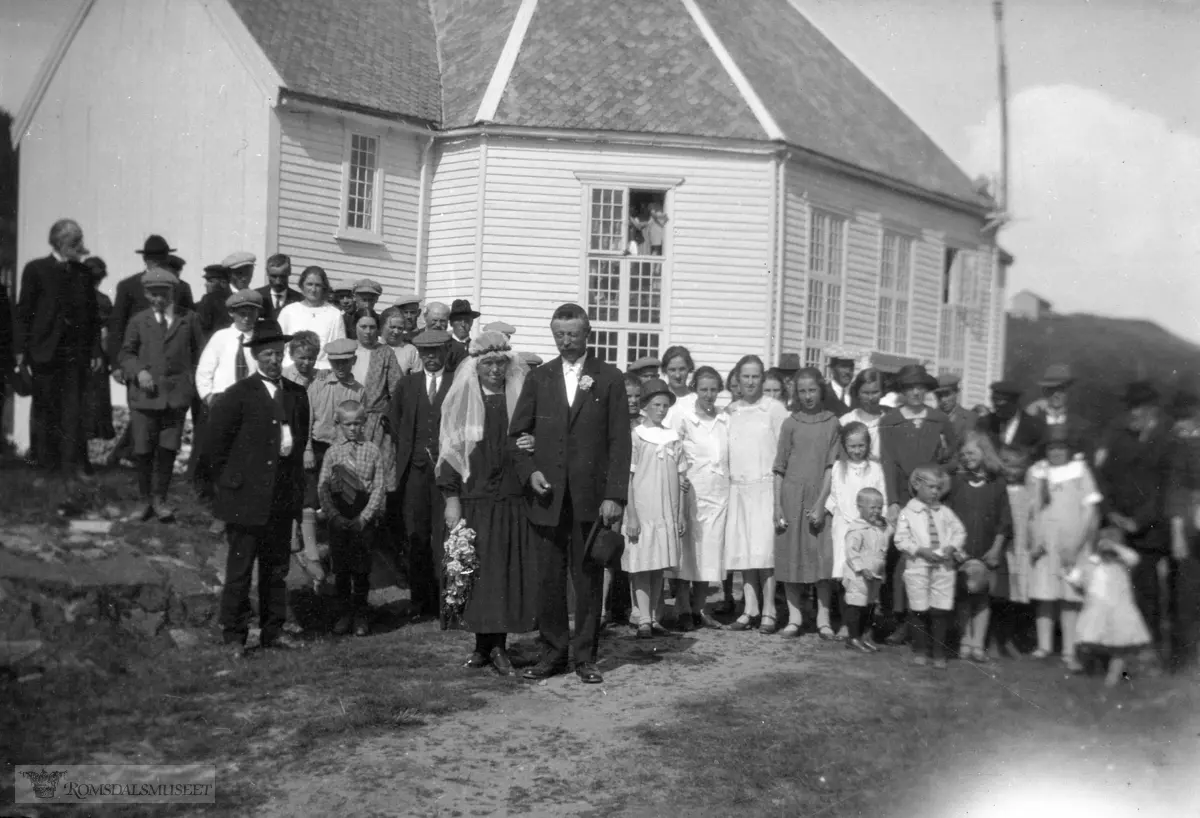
{"x": 362, "y": 625}
{"x": 826, "y": 634}
{"x": 658, "y": 630}
{"x": 645, "y": 632}
{"x": 477, "y": 660}
{"x": 858, "y": 645}
{"x": 283, "y": 642}
{"x": 545, "y": 669}
{"x": 685, "y": 623}
{"x": 743, "y": 623}
{"x": 343, "y": 625}
{"x": 769, "y": 626}
{"x": 707, "y": 621}
{"x": 724, "y": 608}
{"x": 501, "y": 662}
{"x": 899, "y": 636}
{"x": 587, "y": 673}
{"x": 870, "y": 644}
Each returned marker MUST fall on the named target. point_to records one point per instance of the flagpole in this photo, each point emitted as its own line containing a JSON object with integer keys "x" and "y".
{"x": 1002, "y": 64}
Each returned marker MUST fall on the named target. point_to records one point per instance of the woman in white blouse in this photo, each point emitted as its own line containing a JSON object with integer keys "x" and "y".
{"x": 313, "y": 314}
{"x": 705, "y": 434}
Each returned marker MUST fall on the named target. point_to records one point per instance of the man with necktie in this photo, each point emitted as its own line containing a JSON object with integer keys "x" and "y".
{"x": 224, "y": 362}
{"x": 258, "y": 432}
{"x": 277, "y": 294}
{"x": 56, "y": 340}
{"x": 158, "y": 356}
{"x": 416, "y": 416}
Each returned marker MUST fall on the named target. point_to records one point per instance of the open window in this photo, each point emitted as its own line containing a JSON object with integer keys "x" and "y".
{"x": 627, "y": 240}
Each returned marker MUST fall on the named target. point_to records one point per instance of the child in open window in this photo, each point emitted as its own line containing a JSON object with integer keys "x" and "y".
{"x": 656, "y": 228}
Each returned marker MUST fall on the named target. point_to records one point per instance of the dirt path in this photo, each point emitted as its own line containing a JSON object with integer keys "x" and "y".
{"x": 515, "y": 755}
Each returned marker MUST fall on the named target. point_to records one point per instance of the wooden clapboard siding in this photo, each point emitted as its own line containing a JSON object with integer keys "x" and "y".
{"x": 795, "y": 267}
{"x": 718, "y": 240}
{"x": 861, "y": 296}
{"x": 979, "y": 336}
{"x": 168, "y": 135}
{"x": 453, "y": 214}
{"x": 928, "y": 262}
{"x": 312, "y": 152}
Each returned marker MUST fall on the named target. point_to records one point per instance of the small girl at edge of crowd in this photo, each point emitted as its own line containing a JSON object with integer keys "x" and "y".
{"x": 865, "y": 566}
{"x": 804, "y": 555}
{"x": 1065, "y": 520}
{"x": 932, "y": 537}
{"x": 1010, "y": 594}
{"x": 1110, "y": 625}
{"x": 656, "y": 516}
{"x": 854, "y": 471}
{"x": 979, "y": 497}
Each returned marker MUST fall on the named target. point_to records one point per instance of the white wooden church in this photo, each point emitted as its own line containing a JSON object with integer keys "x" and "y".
{"x": 515, "y": 153}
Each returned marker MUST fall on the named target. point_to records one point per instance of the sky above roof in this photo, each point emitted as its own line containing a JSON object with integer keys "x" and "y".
{"x": 1105, "y": 125}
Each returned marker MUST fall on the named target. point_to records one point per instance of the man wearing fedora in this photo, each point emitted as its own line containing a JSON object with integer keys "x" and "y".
{"x": 837, "y": 392}
{"x": 277, "y": 294}
{"x": 1006, "y": 424}
{"x": 1134, "y": 478}
{"x": 56, "y": 342}
{"x": 437, "y": 316}
{"x": 257, "y": 433}
{"x": 1054, "y": 409}
{"x": 462, "y": 318}
{"x": 130, "y": 297}
{"x": 212, "y": 310}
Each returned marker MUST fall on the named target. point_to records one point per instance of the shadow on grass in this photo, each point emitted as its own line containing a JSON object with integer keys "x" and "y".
{"x": 271, "y": 709}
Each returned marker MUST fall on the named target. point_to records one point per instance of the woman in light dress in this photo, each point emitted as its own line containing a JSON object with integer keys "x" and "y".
{"x": 313, "y": 314}
{"x": 754, "y": 424}
{"x": 704, "y": 431}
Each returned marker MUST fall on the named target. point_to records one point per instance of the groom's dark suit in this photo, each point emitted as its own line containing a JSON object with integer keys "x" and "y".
{"x": 583, "y": 451}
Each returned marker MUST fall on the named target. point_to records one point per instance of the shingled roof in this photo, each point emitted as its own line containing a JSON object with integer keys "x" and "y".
{"x": 607, "y": 65}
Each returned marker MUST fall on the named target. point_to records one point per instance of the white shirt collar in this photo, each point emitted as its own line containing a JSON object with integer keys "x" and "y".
{"x": 575, "y": 367}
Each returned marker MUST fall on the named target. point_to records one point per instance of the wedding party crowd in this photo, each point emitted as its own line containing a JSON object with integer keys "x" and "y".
{"x": 865, "y": 507}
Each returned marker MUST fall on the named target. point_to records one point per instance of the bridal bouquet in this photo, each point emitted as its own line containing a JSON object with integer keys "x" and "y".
{"x": 460, "y": 567}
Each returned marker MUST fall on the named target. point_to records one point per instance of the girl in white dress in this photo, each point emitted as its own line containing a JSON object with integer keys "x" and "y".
{"x": 705, "y": 435}
{"x": 655, "y": 518}
{"x": 313, "y": 314}
{"x": 854, "y": 471}
{"x": 754, "y": 424}
{"x": 677, "y": 367}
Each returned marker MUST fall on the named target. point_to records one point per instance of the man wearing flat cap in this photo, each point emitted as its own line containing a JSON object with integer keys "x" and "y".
{"x": 258, "y": 432}
{"x": 947, "y": 395}
{"x": 416, "y": 416}
{"x": 366, "y": 296}
{"x": 1006, "y": 424}
{"x": 462, "y": 318}
{"x": 224, "y": 362}
{"x": 130, "y": 297}
{"x": 241, "y": 269}
{"x": 1134, "y": 478}
{"x": 212, "y": 310}
{"x": 410, "y": 307}
{"x": 645, "y": 369}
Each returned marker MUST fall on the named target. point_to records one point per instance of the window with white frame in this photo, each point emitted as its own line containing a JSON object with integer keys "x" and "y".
{"x": 361, "y": 207}
{"x": 960, "y": 291}
{"x": 895, "y": 278}
{"x": 826, "y": 263}
{"x": 625, "y": 272}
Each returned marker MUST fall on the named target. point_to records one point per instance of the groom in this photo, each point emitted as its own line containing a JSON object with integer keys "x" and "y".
{"x": 576, "y": 409}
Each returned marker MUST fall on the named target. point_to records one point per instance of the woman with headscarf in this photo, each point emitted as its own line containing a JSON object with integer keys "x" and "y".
{"x": 375, "y": 367}
{"x": 478, "y": 478}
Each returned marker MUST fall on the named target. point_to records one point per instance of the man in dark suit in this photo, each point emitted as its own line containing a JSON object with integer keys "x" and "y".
{"x": 837, "y": 389}
{"x": 416, "y": 416}
{"x": 257, "y": 434}
{"x": 277, "y": 294}
{"x": 462, "y": 318}
{"x": 57, "y": 338}
{"x": 1007, "y": 425}
{"x": 576, "y": 409}
{"x": 130, "y": 297}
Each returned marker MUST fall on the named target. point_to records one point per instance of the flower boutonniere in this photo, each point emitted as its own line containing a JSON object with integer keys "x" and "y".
{"x": 585, "y": 383}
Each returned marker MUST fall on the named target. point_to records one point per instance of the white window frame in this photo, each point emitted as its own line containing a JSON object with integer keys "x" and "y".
{"x": 953, "y": 352}
{"x": 373, "y": 234}
{"x": 617, "y": 341}
{"x": 814, "y": 348}
{"x": 892, "y": 291}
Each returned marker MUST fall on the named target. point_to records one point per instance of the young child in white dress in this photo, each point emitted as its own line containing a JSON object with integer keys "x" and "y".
{"x": 1110, "y": 625}
{"x": 865, "y": 565}
{"x": 932, "y": 536}
{"x": 656, "y": 516}
{"x": 855, "y": 470}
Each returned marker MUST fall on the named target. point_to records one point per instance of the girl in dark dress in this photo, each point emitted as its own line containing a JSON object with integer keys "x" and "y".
{"x": 477, "y": 476}
{"x": 979, "y": 496}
